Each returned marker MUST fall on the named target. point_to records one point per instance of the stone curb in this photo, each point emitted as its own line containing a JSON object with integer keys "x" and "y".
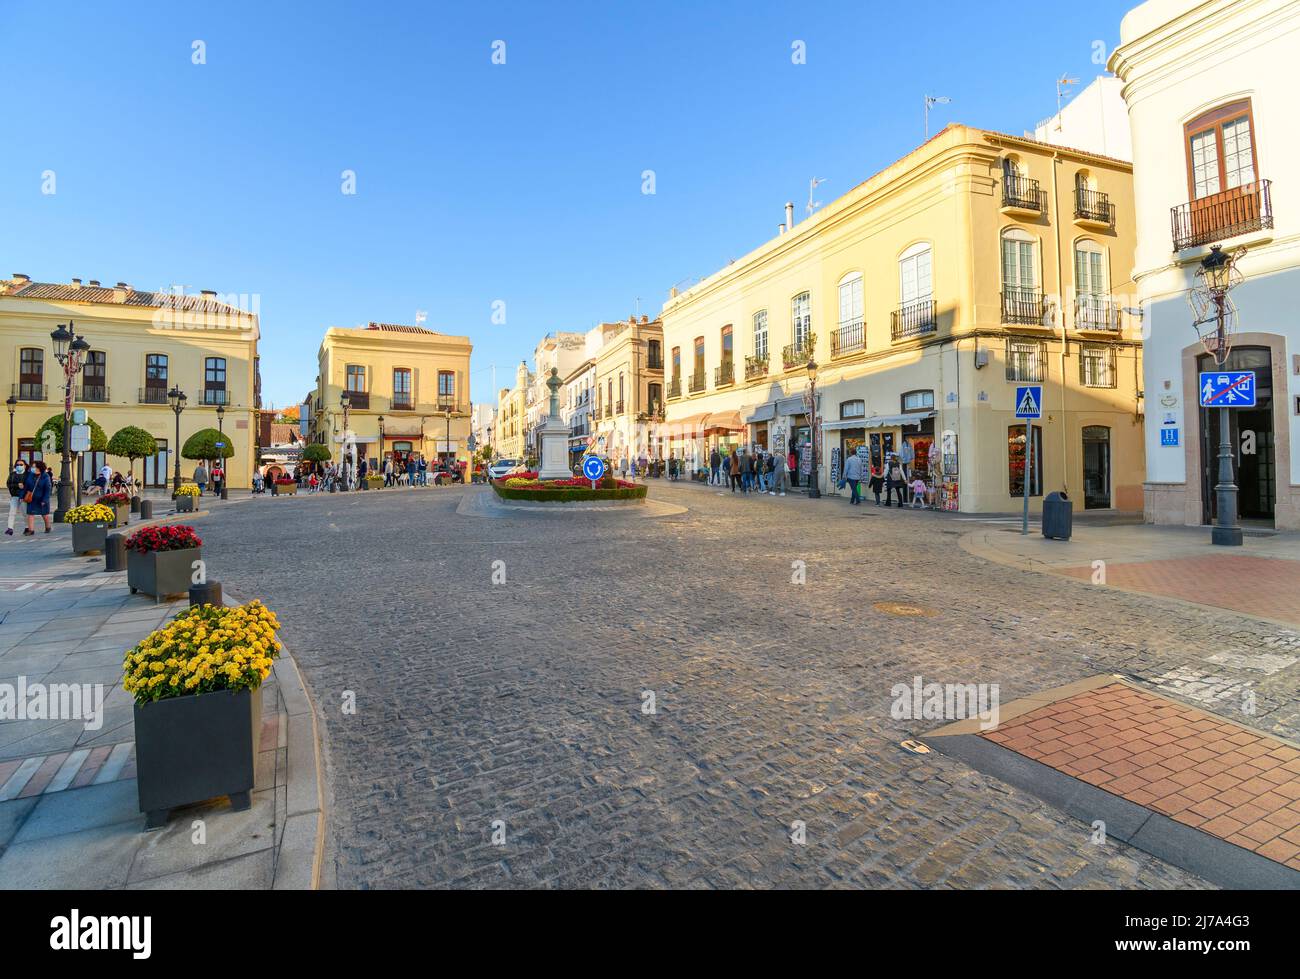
{"x": 301, "y": 852}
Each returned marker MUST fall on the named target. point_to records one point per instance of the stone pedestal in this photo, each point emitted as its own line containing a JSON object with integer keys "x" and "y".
{"x": 553, "y": 440}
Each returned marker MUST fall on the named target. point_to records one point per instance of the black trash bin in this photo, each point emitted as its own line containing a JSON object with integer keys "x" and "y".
{"x": 1058, "y": 516}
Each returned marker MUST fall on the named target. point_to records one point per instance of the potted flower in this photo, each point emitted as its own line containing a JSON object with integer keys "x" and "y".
{"x": 120, "y": 504}
{"x": 374, "y": 482}
{"x": 286, "y": 485}
{"x": 198, "y": 706}
{"x": 90, "y": 525}
{"x": 159, "y": 560}
{"x": 185, "y": 496}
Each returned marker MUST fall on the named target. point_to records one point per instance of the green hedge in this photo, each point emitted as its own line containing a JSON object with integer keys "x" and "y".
{"x": 569, "y": 494}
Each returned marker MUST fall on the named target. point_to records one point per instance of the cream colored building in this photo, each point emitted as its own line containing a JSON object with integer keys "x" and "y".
{"x": 142, "y": 344}
{"x": 512, "y": 417}
{"x": 407, "y": 393}
{"x": 562, "y": 351}
{"x": 926, "y": 295}
{"x": 629, "y": 386}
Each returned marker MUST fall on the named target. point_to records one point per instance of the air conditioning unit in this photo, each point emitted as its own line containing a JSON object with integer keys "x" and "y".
{"x": 981, "y": 357}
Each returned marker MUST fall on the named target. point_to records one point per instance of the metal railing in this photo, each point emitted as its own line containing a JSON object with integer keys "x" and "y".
{"x": 359, "y": 400}
{"x": 724, "y": 374}
{"x": 214, "y": 396}
{"x": 1093, "y": 205}
{"x": 849, "y": 338}
{"x": 912, "y": 319}
{"x": 31, "y": 392}
{"x": 1026, "y": 360}
{"x": 401, "y": 403}
{"x": 446, "y": 402}
{"x": 696, "y": 383}
{"x": 755, "y": 367}
{"x": 153, "y": 396}
{"x": 1224, "y": 215}
{"x": 1023, "y": 306}
{"x": 655, "y": 363}
{"x": 1021, "y": 192}
{"x": 609, "y": 411}
{"x": 797, "y": 355}
{"x": 93, "y": 393}
{"x": 618, "y": 407}
{"x": 675, "y": 388}
{"x": 1096, "y": 313}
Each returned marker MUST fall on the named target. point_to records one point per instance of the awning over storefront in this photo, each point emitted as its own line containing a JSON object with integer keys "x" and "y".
{"x": 358, "y": 438}
{"x": 684, "y": 427}
{"x": 722, "y": 421}
{"x": 913, "y": 419}
{"x": 763, "y": 413}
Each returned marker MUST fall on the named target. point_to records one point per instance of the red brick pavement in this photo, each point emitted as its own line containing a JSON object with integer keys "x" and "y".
{"x": 1268, "y": 587}
{"x": 1199, "y": 769}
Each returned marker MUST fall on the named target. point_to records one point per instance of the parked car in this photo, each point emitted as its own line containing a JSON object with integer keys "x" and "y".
{"x": 502, "y": 467}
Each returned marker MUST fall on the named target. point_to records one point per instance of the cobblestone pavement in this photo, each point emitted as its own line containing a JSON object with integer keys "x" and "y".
{"x": 523, "y": 702}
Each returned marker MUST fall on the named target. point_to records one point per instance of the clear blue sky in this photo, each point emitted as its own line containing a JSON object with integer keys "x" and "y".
{"x": 475, "y": 182}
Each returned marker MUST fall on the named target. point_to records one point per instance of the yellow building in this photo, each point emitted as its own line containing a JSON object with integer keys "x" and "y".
{"x": 407, "y": 393}
{"x": 142, "y": 344}
{"x": 925, "y": 296}
{"x": 512, "y": 416}
{"x": 629, "y": 374}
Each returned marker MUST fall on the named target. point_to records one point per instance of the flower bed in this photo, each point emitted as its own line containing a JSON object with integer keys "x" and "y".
{"x": 168, "y": 537}
{"x": 115, "y": 499}
{"x": 566, "y": 490}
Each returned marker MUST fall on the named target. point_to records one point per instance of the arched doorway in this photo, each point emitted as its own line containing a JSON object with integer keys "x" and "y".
{"x": 1251, "y": 435}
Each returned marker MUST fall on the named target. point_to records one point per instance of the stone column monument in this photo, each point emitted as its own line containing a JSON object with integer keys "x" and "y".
{"x": 553, "y": 437}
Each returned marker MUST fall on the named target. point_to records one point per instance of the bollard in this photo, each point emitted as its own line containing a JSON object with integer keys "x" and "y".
{"x": 115, "y": 552}
{"x": 135, "y": 504}
{"x": 208, "y": 593}
{"x": 146, "y": 509}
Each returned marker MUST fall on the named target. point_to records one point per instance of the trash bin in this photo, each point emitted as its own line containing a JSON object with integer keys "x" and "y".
{"x": 1058, "y": 516}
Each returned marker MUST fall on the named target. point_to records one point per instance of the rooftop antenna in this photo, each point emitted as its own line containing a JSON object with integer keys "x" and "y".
{"x": 1063, "y": 92}
{"x": 812, "y": 185}
{"x": 420, "y": 317}
{"x": 930, "y": 101}
{"x": 638, "y": 307}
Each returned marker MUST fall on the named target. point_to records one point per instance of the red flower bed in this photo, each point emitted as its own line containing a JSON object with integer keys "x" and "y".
{"x": 168, "y": 537}
{"x": 577, "y": 482}
{"x": 115, "y": 499}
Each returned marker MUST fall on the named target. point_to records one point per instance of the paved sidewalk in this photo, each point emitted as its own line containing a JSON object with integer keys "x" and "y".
{"x": 69, "y": 815}
{"x": 1260, "y": 579}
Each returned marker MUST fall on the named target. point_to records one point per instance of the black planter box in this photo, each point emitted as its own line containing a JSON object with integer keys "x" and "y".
{"x": 184, "y": 503}
{"x": 87, "y": 537}
{"x": 161, "y": 573}
{"x": 191, "y": 749}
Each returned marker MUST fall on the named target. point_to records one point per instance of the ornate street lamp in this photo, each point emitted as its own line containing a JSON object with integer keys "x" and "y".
{"x": 12, "y": 402}
{"x": 1218, "y": 275}
{"x": 813, "y": 492}
{"x": 381, "y": 445}
{"x": 345, "y": 403}
{"x": 69, "y": 349}
{"x": 221, "y": 450}
{"x": 176, "y": 398}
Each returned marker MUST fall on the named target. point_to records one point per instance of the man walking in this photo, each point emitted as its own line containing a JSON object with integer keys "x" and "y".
{"x": 853, "y": 476}
{"x": 715, "y": 467}
{"x": 895, "y": 480}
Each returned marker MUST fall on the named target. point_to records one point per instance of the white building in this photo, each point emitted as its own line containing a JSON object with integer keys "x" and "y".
{"x": 1215, "y": 142}
{"x": 1095, "y": 120}
{"x": 481, "y": 421}
{"x": 563, "y": 351}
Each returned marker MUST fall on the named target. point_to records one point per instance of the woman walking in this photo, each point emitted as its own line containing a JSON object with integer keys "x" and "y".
{"x": 733, "y": 470}
{"x": 16, "y": 485}
{"x": 38, "y": 486}
{"x": 877, "y": 482}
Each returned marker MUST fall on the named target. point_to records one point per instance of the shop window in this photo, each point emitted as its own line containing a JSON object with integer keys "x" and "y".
{"x": 918, "y": 401}
{"x": 1016, "y": 461}
{"x": 853, "y": 409}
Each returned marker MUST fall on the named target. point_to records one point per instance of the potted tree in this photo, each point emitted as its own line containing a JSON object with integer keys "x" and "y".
{"x": 120, "y": 504}
{"x": 198, "y": 706}
{"x": 202, "y": 447}
{"x": 160, "y": 560}
{"x": 133, "y": 443}
{"x": 90, "y": 525}
{"x": 185, "y": 497}
{"x": 316, "y": 453}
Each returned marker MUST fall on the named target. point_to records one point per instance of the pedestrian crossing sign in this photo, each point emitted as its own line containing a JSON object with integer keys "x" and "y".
{"x": 1029, "y": 401}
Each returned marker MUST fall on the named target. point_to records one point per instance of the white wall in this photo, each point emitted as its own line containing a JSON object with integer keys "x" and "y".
{"x": 1095, "y": 119}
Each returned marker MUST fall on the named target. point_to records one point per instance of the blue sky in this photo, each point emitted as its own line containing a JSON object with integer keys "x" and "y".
{"x": 475, "y": 182}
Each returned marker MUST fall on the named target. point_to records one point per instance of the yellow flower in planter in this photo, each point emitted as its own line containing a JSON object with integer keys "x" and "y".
{"x": 187, "y": 489}
{"x": 90, "y": 513}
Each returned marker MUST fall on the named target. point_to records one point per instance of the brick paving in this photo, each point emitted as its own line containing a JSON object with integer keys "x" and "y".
{"x": 1262, "y": 586}
{"x": 522, "y": 702}
{"x": 1197, "y": 768}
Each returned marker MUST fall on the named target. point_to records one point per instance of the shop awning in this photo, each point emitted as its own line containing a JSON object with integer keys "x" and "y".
{"x": 722, "y": 421}
{"x": 763, "y": 413}
{"x": 912, "y": 419}
{"x": 689, "y": 425}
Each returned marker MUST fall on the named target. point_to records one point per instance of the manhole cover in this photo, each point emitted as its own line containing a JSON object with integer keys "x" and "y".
{"x": 903, "y": 608}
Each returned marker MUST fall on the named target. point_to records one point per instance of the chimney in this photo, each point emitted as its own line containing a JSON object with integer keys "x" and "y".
{"x": 209, "y": 295}
{"x": 76, "y": 283}
{"x": 780, "y": 229}
{"x": 119, "y": 292}
{"x": 789, "y": 215}
{"x": 95, "y": 283}
{"x": 21, "y": 277}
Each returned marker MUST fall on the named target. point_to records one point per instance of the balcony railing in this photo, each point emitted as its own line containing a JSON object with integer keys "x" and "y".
{"x": 609, "y": 411}
{"x": 655, "y": 408}
{"x": 724, "y": 374}
{"x": 618, "y": 407}
{"x": 675, "y": 388}
{"x": 797, "y": 355}
{"x": 447, "y": 402}
{"x": 849, "y": 338}
{"x": 696, "y": 382}
{"x": 912, "y": 320}
{"x": 402, "y": 402}
{"x": 655, "y": 363}
{"x": 755, "y": 367}
{"x": 1225, "y": 215}
{"x": 1096, "y": 313}
{"x": 93, "y": 393}
{"x": 153, "y": 396}
{"x": 1023, "y": 306}
{"x": 358, "y": 400}
{"x": 1022, "y": 193}
{"x": 214, "y": 396}
{"x": 31, "y": 392}
{"x": 1093, "y": 205}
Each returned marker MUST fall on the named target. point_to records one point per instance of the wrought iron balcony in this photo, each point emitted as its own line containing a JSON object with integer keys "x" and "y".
{"x": 849, "y": 338}
{"x": 913, "y": 319}
{"x": 1021, "y": 193}
{"x": 797, "y": 355}
{"x": 215, "y": 396}
{"x": 93, "y": 393}
{"x": 696, "y": 383}
{"x": 609, "y": 411}
{"x": 153, "y": 395}
{"x": 618, "y": 407}
{"x": 1096, "y": 313}
{"x": 755, "y": 367}
{"x": 31, "y": 392}
{"x": 1023, "y": 306}
{"x": 724, "y": 374}
{"x": 655, "y": 363}
{"x": 1093, "y": 207}
{"x": 1216, "y": 217}
{"x": 447, "y": 402}
{"x": 675, "y": 388}
{"x": 402, "y": 402}
{"x": 358, "y": 400}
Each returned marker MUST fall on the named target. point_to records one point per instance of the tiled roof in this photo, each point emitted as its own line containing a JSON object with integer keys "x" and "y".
{"x": 25, "y": 289}
{"x": 398, "y": 328}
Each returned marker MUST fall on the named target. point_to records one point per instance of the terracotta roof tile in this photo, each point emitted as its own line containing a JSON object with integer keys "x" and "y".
{"x": 24, "y": 289}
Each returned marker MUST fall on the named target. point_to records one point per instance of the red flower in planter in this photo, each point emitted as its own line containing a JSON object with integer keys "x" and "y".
{"x": 168, "y": 537}
{"x": 115, "y": 499}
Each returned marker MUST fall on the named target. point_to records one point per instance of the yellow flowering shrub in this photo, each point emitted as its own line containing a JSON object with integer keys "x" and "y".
{"x": 187, "y": 489}
{"x": 90, "y": 513}
{"x": 519, "y": 481}
{"x": 205, "y": 648}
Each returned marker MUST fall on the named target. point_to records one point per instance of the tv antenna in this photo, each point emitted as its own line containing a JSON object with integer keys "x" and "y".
{"x": 930, "y": 102}
{"x": 812, "y": 185}
{"x": 1063, "y": 90}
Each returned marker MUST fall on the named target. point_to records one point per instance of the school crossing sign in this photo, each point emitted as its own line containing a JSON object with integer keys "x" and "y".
{"x": 1029, "y": 401}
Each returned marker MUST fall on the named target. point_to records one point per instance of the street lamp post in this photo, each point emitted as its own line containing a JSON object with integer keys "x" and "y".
{"x": 12, "y": 402}
{"x": 1217, "y": 270}
{"x": 345, "y": 403}
{"x": 221, "y": 450}
{"x": 176, "y": 398}
{"x": 381, "y": 458}
{"x": 813, "y": 492}
{"x": 68, "y": 350}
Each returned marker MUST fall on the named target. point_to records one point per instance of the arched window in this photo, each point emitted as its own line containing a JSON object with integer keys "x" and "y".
{"x": 1019, "y": 268}
{"x": 1090, "y": 269}
{"x": 914, "y": 275}
{"x": 800, "y": 319}
{"x": 760, "y": 335}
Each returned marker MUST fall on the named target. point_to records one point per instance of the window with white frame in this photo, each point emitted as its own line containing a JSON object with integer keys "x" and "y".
{"x": 1026, "y": 360}
{"x": 760, "y": 335}
{"x": 918, "y": 401}
{"x": 914, "y": 275}
{"x": 801, "y": 319}
{"x": 853, "y": 409}
{"x": 851, "y": 300}
{"x": 1019, "y": 272}
{"x": 1090, "y": 269}
{"x": 1097, "y": 366}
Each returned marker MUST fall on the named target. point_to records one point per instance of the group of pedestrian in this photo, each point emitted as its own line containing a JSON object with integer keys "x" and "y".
{"x": 30, "y": 487}
{"x": 892, "y": 478}
{"x": 202, "y": 475}
{"x": 750, "y": 471}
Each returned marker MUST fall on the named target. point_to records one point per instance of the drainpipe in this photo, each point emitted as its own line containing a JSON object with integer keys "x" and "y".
{"x": 1060, "y": 287}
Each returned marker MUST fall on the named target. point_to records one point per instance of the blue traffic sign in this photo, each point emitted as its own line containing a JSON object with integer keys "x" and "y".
{"x": 593, "y": 467}
{"x": 1168, "y": 436}
{"x": 1227, "y": 389}
{"x": 1029, "y": 401}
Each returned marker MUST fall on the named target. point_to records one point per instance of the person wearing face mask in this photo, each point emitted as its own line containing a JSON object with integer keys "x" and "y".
{"x": 16, "y": 491}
